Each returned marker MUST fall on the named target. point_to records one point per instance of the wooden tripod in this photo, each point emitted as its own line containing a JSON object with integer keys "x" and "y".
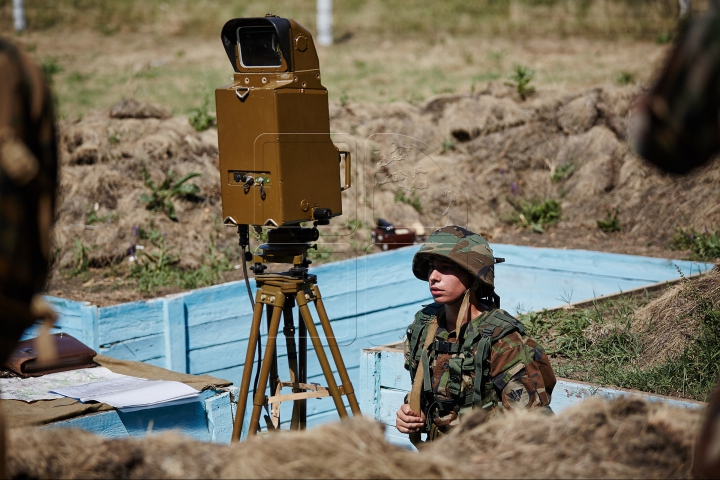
{"x": 278, "y": 293}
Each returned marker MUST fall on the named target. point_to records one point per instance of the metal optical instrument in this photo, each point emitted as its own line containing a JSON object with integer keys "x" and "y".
{"x": 278, "y": 169}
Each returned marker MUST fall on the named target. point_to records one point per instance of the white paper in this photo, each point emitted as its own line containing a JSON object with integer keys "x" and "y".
{"x": 130, "y": 392}
{"x": 171, "y": 403}
{"x": 38, "y": 388}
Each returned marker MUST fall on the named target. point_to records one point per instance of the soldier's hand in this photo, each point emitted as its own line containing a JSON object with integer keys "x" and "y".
{"x": 407, "y": 421}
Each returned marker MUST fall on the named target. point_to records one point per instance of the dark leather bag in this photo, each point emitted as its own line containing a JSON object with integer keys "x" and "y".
{"x": 71, "y": 355}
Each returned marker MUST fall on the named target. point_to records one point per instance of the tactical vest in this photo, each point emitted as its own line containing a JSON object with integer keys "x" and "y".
{"x": 471, "y": 354}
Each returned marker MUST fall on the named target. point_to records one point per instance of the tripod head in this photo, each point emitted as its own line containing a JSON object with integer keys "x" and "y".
{"x": 284, "y": 245}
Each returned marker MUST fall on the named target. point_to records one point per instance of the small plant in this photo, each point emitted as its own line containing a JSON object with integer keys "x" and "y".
{"x": 77, "y": 77}
{"x": 320, "y": 253}
{"x": 344, "y": 98}
{"x": 610, "y": 223}
{"x": 562, "y": 172}
{"x": 414, "y": 201}
{"x": 82, "y": 260}
{"x": 49, "y": 67}
{"x": 200, "y": 118}
{"x": 625, "y": 78}
{"x": 114, "y": 137}
{"x": 520, "y": 80}
{"x": 704, "y": 245}
{"x": 156, "y": 268}
{"x": 447, "y": 145}
{"x": 536, "y": 213}
{"x": 91, "y": 217}
{"x": 663, "y": 38}
{"x": 162, "y": 196}
{"x": 415, "y": 99}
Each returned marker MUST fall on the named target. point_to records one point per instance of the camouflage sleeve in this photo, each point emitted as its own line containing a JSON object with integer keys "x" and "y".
{"x": 521, "y": 372}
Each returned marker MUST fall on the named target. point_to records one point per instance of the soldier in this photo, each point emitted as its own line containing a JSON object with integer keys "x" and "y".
{"x": 28, "y": 178}
{"x": 462, "y": 351}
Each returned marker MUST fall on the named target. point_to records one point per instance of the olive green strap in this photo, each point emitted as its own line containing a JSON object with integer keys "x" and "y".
{"x": 416, "y": 391}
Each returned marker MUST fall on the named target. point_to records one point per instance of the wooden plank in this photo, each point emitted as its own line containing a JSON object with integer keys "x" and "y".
{"x": 219, "y": 418}
{"x": 217, "y": 357}
{"x": 175, "y": 334}
{"x": 130, "y": 320}
{"x": 107, "y": 424}
{"x": 137, "y": 349}
{"x": 218, "y": 302}
{"x": 226, "y": 330}
{"x": 90, "y": 327}
{"x": 188, "y": 418}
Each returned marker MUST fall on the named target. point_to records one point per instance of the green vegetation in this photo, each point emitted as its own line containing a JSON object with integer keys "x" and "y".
{"x": 161, "y": 199}
{"x": 625, "y": 78}
{"x": 704, "y": 245}
{"x": 81, "y": 261}
{"x": 610, "y": 223}
{"x": 598, "y": 344}
{"x": 645, "y": 19}
{"x": 447, "y": 145}
{"x": 663, "y": 38}
{"x": 536, "y": 213}
{"x": 520, "y": 80}
{"x": 562, "y": 172}
{"x": 91, "y": 217}
{"x": 413, "y": 200}
{"x": 49, "y": 67}
{"x": 200, "y": 118}
{"x": 159, "y": 267}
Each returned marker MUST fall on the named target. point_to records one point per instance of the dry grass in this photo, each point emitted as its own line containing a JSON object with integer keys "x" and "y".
{"x": 669, "y": 324}
{"x": 622, "y": 438}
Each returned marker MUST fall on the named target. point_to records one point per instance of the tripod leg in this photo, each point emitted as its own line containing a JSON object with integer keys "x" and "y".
{"x": 289, "y": 331}
{"x": 259, "y": 398}
{"x": 247, "y": 369}
{"x": 302, "y": 371}
{"x": 335, "y": 350}
{"x": 320, "y": 352}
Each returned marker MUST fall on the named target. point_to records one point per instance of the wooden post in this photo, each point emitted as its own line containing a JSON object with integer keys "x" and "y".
{"x": 175, "y": 334}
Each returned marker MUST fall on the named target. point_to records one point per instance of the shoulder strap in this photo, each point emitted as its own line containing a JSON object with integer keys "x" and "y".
{"x": 491, "y": 327}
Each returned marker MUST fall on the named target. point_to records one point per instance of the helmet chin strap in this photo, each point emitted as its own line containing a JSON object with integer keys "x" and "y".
{"x": 465, "y": 305}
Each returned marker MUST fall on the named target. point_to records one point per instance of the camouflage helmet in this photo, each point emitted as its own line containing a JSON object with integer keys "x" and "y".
{"x": 467, "y": 249}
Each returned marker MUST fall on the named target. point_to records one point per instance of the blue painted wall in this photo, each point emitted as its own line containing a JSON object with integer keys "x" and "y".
{"x": 370, "y": 301}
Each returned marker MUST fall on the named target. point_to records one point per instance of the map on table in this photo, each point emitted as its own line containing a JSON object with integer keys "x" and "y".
{"x": 38, "y": 388}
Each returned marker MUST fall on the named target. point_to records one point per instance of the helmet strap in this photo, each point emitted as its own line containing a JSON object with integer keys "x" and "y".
{"x": 465, "y": 305}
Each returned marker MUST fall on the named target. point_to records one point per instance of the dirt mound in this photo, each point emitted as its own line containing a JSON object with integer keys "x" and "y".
{"x": 455, "y": 159}
{"x": 468, "y": 158}
{"x": 101, "y": 207}
{"x": 131, "y": 108}
{"x": 669, "y": 324}
{"x": 622, "y": 438}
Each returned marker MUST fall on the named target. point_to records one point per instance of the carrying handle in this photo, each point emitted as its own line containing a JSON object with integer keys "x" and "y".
{"x": 242, "y": 93}
{"x": 348, "y": 170}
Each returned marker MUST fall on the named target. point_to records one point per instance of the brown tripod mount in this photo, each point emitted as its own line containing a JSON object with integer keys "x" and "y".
{"x": 278, "y": 293}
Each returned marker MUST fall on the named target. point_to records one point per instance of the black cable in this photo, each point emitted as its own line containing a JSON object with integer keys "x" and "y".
{"x": 252, "y": 303}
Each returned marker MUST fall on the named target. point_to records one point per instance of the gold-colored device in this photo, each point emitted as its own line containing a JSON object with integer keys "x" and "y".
{"x": 279, "y": 168}
{"x": 278, "y": 165}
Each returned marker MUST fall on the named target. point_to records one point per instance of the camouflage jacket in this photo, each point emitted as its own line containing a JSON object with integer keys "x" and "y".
{"x": 492, "y": 365}
{"x": 28, "y": 178}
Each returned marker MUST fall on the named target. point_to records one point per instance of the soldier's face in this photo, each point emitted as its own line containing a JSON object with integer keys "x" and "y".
{"x": 448, "y": 282}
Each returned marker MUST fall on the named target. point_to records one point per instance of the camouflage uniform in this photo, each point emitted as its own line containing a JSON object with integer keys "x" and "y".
{"x": 489, "y": 363}
{"x": 678, "y": 121}
{"x": 28, "y": 177}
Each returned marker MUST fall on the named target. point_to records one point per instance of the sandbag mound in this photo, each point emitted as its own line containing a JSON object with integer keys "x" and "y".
{"x": 669, "y": 324}
{"x": 622, "y": 438}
